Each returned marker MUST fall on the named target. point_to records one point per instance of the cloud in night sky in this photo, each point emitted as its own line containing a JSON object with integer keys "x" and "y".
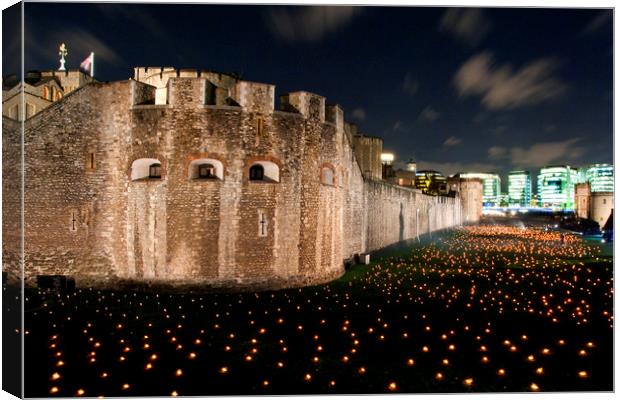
{"x": 539, "y": 154}
{"x": 429, "y": 114}
{"x": 599, "y": 21}
{"x": 79, "y": 42}
{"x": 309, "y": 24}
{"x": 451, "y": 168}
{"x": 358, "y": 114}
{"x": 410, "y": 85}
{"x": 452, "y": 141}
{"x": 466, "y": 24}
{"x": 502, "y": 88}
{"x": 497, "y": 152}
{"x": 134, "y": 14}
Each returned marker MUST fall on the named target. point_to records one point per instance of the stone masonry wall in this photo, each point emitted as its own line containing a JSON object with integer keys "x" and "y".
{"x": 89, "y": 214}
{"x": 396, "y": 213}
{"x": 11, "y": 196}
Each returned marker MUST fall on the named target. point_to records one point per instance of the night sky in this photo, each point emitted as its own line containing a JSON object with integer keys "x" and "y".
{"x": 456, "y": 89}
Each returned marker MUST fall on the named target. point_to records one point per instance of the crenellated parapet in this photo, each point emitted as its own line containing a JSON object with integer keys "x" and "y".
{"x": 308, "y": 104}
{"x": 335, "y": 115}
{"x": 254, "y": 97}
{"x": 196, "y": 177}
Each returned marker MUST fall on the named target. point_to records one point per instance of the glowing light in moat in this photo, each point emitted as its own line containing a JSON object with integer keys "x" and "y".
{"x": 320, "y": 327}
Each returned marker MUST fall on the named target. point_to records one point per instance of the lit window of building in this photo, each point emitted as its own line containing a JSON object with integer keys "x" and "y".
{"x": 431, "y": 182}
{"x": 519, "y": 188}
{"x": 556, "y": 186}
{"x": 601, "y": 177}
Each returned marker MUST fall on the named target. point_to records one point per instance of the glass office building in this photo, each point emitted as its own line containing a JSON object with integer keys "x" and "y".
{"x": 519, "y": 188}
{"x": 430, "y": 182}
{"x": 491, "y": 187}
{"x": 601, "y": 177}
{"x": 556, "y": 186}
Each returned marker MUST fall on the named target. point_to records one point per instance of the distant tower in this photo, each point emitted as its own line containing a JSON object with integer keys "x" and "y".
{"x": 387, "y": 158}
{"x": 387, "y": 171}
{"x": 412, "y": 166}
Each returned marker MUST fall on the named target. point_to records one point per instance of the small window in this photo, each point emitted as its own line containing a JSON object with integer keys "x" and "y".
{"x": 260, "y": 125}
{"x": 30, "y": 110}
{"x": 604, "y": 201}
{"x": 90, "y": 161}
{"x": 206, "y": 171}
{"x": 206, "y": 168}
{"x": 145, "y": 168}
{"x": 327, "y": 176}
{"x": 73, "y": 222}
{"x": 263, "y": 170}
{"x": 257, "y": 172}
{"x": 14, "y": 111}
{"x": 46, "y": 93}
{"x": 262, "y": 224}
{"x": 155, "y": 171}
{"x": 58, "y": 96}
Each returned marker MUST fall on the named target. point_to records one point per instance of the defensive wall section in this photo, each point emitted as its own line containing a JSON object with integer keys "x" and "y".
{"x": 114, "y": 191}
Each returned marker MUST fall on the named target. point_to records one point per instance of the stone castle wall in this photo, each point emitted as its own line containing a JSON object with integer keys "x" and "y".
{"x": 396, "y": 213}
{"x": 87, "y": 217}
{"x": 368, "y": 151}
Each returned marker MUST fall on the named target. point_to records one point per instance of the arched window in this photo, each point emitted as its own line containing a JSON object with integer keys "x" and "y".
{"x": 146, "y": 168}
{"x": 327, "y": 176}
{"x": 206, "y": 171}
{"x": 155, "y": 171}
{"x": 30, "y": 110}
{"x": 206, "y": 168}
{"x": 58, "y": 96}
{"x": 46, "y": 93}
{"x": 257, "y": 172}
{"x": 266, "y": 171}
{"x": 14, "y": 111}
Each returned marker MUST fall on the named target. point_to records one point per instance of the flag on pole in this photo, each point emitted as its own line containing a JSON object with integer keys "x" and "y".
{"x": 88, "y": 65}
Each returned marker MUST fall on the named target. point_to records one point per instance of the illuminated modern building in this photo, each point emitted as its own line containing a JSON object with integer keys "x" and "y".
{"x": 556, "y": 186}
{"x": 503, "y": 200}
{"x": 491, "y": 187}
{"x": 519, "y": 188}
{"x": 600, "y": 177}
{"x": 581, "y": 175}
{"x": 431, "y": 182}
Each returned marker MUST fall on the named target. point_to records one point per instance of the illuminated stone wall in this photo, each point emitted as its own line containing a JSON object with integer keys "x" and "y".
{"x": 90, "y": 214}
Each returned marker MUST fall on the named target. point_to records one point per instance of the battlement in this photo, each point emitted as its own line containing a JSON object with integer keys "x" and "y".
{"x": 335, "y": 115}
{"x": 254, "y": 97}
{"x": 66, "y": 73}
{"x": 146, "y": 73}
{"x": 227, "y": 89}
{"x": 308, "y": 104}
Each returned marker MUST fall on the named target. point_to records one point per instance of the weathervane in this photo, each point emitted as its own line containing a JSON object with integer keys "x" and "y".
{"x": 62, "y": 53}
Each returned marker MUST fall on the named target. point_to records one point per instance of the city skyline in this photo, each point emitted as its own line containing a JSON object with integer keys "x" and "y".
{"x": 456, "y": 89}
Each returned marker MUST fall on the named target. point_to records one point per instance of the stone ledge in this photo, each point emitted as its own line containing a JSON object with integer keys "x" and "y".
{"x": 200, "y": 286}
